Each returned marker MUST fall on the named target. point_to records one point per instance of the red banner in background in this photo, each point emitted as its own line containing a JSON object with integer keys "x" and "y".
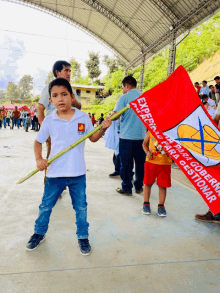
{"x": 174, "y": 114}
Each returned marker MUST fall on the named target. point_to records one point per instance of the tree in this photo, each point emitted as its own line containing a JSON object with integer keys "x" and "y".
{"x": 114, "y": 63}
{"x": 93, "y": 65}
{"x": 2, "y": 96}
{"x": 49, "y": 78}
{"x": 13, "y": 91}
{"x": 26, "y": 86}
{"x": 75, "y": 70}
{"x": 113, "y": 81}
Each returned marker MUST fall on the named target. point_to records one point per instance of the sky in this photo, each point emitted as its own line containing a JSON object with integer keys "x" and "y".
{"x": 31, "y": 41}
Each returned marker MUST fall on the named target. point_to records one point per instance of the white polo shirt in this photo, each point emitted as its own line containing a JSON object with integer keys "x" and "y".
{"x": 63, "y": 133}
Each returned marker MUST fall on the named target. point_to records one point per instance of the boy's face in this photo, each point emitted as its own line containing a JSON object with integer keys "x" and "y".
{"x": 61, "y": 98}
{"x": 204, "y": 84}
{"x": 64, "y": 73}
{"x": 212, "y": 88}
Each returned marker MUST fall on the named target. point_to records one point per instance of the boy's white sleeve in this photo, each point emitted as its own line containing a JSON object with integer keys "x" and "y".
{"x": 44, "y": 99}
{"x": 89, "y": 126}
{"x": 43, "y": 134}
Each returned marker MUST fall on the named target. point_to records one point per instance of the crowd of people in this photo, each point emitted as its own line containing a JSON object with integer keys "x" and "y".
{"x": 19, "y": 118}
{"x": 94, "y": 121}
{"x": 210, "y": 97}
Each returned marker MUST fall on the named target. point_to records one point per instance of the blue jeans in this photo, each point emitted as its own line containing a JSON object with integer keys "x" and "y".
{"x": 52, "y": 190}
{"x": 116, "y": 161}
{"x": 32, "y": 124}
{"x": 8, "y": 121}
{"x": 131, "y": 151}
{"x": 4, "y": 121}
{"x": 16, "y": 121}
{"x": 24, "y": 122}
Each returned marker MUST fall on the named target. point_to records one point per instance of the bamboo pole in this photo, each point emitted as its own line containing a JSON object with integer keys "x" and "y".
{"x": 75, "y": 143}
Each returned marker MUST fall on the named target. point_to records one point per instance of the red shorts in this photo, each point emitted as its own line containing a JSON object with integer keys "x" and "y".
{"x": 161, "y": 172}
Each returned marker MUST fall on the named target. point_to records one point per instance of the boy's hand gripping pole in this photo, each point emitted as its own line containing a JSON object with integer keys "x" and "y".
{"x": 75, "y": 143}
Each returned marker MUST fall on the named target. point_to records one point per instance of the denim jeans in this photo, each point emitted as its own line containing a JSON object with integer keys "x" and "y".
{"x": 52, "y": 190}
{"x": 8, "y": 121}
{"x": 4, "y": 121}
{"x": 32, "y": 124}
{"x": 131, "y": 151}
{"x": 16, "y": 121}
{"x": 116, "y": 161}
{"x": 24, "y": 122}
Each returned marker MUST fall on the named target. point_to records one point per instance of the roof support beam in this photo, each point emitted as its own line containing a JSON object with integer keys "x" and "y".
{"x": 117, "y": 21}
{"x": 183, "y": 21}
{"x": 141, "y": 82}
{"x": 172, "y": 55}
{"x": 166, "y": 10}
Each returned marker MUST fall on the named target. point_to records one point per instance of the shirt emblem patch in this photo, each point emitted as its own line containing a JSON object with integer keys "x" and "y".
{"x": 81, "y": 127}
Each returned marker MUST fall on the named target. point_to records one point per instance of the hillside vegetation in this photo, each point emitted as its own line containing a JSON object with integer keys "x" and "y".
{"x": 199, "y": 53}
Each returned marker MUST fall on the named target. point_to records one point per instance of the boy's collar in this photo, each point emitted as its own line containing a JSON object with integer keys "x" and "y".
{"x": 76, "y": 114}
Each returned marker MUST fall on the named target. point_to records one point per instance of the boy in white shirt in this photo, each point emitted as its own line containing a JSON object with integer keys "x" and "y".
{"x": 65, "y": 126}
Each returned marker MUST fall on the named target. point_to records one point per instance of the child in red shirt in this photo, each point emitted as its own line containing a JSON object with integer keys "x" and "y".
{"x": 157, "y": 166}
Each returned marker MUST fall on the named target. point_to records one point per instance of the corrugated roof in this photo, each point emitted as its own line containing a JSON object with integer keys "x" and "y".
{"x": 131, "y": 27}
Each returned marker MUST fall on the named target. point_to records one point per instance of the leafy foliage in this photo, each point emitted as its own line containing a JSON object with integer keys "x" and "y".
{"x": 50, "y": 77}
{"x": 113, "y": 64}
{"x": 12, "y": 91}
{"x": 93, "y": 65}
{"x": 75, "y": 70}
{"x": 2, "y": 96}
{"x": 26, "y": 86}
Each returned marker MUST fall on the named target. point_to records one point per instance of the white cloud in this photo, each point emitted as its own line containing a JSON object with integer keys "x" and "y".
{"x": 39, "y": 53}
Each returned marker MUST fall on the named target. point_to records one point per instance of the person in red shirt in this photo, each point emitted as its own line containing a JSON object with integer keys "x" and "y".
{"x": 16, "y": 114}
{"x": 4, "y": 112}
{"x": 197, "y": 87}
{"x": 93, "y": 119}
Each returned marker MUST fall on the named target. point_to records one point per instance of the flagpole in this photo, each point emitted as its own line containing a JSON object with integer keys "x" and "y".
{"x": 114, "y": 116}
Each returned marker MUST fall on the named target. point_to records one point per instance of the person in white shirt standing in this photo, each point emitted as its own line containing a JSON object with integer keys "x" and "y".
{"x": 65, "y": 126}
{"x": 61, "y": 69}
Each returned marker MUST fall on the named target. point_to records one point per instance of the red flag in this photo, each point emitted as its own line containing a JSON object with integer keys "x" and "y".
{"x": 32, "y": 112}
{"x": 174, "y": 114}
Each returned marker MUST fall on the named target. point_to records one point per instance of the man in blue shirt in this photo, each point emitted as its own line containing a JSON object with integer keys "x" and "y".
{"x": 132, "y": 133}
{"x": 204, "y": 89}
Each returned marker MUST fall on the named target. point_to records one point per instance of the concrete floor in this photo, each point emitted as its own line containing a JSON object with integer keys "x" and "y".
{"x": 132, "y": 252}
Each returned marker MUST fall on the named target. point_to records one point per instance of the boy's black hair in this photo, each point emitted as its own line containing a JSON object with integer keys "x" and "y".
{"x": 102, "y": 114}
{"x": 129, "y": 80}
{"x": 204, "y": 96}
{"x": 204, "y": 103}
{"x": 60, "y": 82}
{"x": 196, "y": 82}
{"x": 217, "y": 77}
{"x": 58, "y": 66}
{"x": 210, "y": 86}
{"x": 204, "y": 81}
